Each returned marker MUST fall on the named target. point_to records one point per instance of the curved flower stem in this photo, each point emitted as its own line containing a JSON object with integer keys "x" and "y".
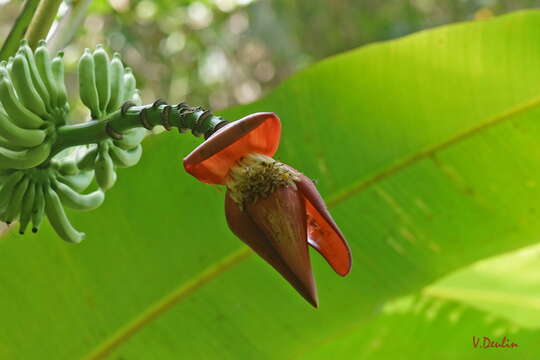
{"x": 11, "y": 44}
{"x": 181, "y": 116}
{"x": 42, "y": 21}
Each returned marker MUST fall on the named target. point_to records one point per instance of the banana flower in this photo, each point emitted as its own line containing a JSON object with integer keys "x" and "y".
{"x": 270, "y": 206}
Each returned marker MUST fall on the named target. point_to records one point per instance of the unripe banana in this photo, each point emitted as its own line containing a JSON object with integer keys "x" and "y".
{"x": 24, "y": 87}
{"x": 131, "y": 138}
{"x": 78, "y": 182}
{"x": 125, "y": 158}
{"x": 117, "y": 84}
{"x": 57, "y": 68}
{"x": 104, "y": 170}
{"x": 87, "y": 84}
{"x": 22, "y": 81}
{"x": 24, "y": 159}
{"x": 18, "y": 136}
{"x": 58, "y": 219}
{"x": 77, "y": 201}
{"x": 15, "y": 203}
{"x": 8, "y": 144}
{"x": 27, "y": 207}
{"x": 136, "y": 97}
{"x": 130, "y": 83}
{"x": 17, "y": 113}
{"x": 38, "y": 211}
{"x": 103, "y": 81}
{"x": 88, "y": 159}
{"x": 7, "y": 190}
{"x": 43, "y": 63}
{"x": 36, "y": 78}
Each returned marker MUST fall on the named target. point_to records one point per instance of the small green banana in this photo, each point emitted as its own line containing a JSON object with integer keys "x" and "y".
{"x": 18, "y": 136}
{"x": 104, "y": 169}
{"x": 87, "y": 83}
{"x": 24, "y": 87}
{"x": 26, "y": 51}
{"x": 8, "y": 144}
{"x": 77, "y": 201}
{"x": 125, "y": 158}
{"x": 38, "y": 210}
{"x": 78, "y": 182}
{"x": 21, "y": 116}
{"x": 43, "y": 63}
{"x": 27, "y": 207}
{"x": 117, "y": 84}
{"x": 7, "y": 190}
{"x": 57, "y": 69}
{"x": 130, "y": 84}
{"x": 131, "y": 138}
{"x": 14, "y": 207}
{"x": 103, "y": 80}
{"x": 24, "y": 159}
{"x": 136, "y": 97}
{"x": 58, "y": 218}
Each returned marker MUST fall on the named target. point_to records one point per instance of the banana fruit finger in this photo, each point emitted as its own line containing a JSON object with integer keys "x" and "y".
{"x": 130, "y": 83}
{"x": 131, "y": 138}
{"x": 57, "y": 69}
{"x": 58, "y": 219}
{"x": 8, "y": 187}
{"x": 87, "y": 83}
{"x": 38, "y": 210}
{"x": 103, "y": 81}
{"x": 26, "y": 51}
{"x": 43, "y": 63}
{"x": 21, "y": 116}
{"x": 24, "y": 86}
{"x": 27, "y": 207}
{"x": 77, "y": 201}
{"x": 117, "y": 84}
{"x": 104, "y": 171}
{"x": 14, "y": 207}
{"x": 78, "y": 182}
{"x": 24, "y": 159}
{"x": 125, "y": 158}
{"x": 18, "y": 136}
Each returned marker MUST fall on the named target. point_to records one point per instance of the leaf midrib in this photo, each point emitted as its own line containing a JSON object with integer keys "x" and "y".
{"x": 188, "y": 288}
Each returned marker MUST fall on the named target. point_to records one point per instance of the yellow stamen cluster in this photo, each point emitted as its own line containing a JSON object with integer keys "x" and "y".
{"x": 257, "y": 177}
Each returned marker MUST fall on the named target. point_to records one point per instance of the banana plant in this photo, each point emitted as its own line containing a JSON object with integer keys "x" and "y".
{"x": 47, "y": 164}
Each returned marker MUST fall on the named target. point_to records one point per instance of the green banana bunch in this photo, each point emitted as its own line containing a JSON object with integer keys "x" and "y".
{"x": 33, "y": 104}
{"x": 29, "y": 195}
{"x": 104, "y": 83}
{"x": 38, "y": 83}
{"x": 21, "y": 198}
{"x": 33, "y": 101}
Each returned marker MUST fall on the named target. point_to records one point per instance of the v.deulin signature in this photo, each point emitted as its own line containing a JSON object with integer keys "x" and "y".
{"x": 487, "y": 343}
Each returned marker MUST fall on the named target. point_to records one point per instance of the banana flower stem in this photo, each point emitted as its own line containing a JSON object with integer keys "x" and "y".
{"x": 181, "y": 116}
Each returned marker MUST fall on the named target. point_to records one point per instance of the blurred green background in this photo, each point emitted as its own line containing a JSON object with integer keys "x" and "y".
{"x": 219, "y": 53}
